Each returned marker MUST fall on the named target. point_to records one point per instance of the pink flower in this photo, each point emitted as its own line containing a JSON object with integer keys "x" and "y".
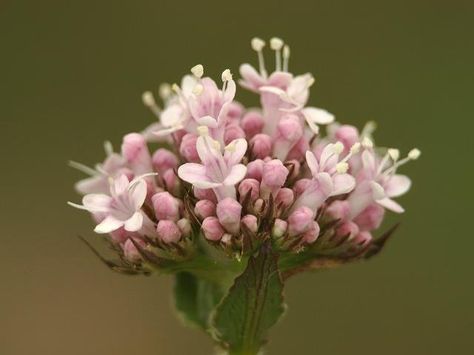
{"x": 168, "y": 231}
{"x": 229, "y": 212}
{"x": 212, "y": 229}
{"x": 122, "y": 208}
{"x": 218, "y": 171}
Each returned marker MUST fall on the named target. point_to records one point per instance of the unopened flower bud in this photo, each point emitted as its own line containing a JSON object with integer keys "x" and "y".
{"x": 233, "y": 132}
{"x": 229, "y": 212}
{"x": 252, "y": 123}
{"x": 338, "y": 210}
{"x": 212, "y": 229}
{"x": 261, "y": 145}
{"x": 163, "y": 160}
{"x": 279, "y": 228}
{"x": 135, "y": 151}
{"x": 251, "y": 185}
{"x": 300, "y": 220}
{"x": 187, "y": 148}
{"x": 274, "y": 175}
{"x": 255, "y": 169}
{"x": 362, "y": 239}
{"x": 166, "y": 206}
{"x": 170, "y": 179}
{"x": 130, "y": 251}
{"x": 168, "y": 231}
{"x": 348, "y": 135}
{"x": 347, "y": 228}
{"x": 285, "y": 197}
{"x": 204, "y": 194}
{"x": 371, "y": 218}
{"x": 290, "y": 128}
{"x": 250, "y": 221}
{"x": 184, "y": 226}
{"x": 311, "y": 234}
{"x": 301, "y": 186}
{"x": 205, "y": 208}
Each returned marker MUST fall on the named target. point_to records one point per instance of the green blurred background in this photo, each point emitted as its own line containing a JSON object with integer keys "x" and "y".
{"x": 72, "y": 74}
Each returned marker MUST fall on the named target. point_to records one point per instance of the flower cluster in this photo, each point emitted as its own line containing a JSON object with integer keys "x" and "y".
{"x": 231, "y": 177}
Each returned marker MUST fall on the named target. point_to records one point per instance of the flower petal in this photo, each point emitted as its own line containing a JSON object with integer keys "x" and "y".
{"x": 391, "y": 205}
{"x": 208, "y": 121}
{"x": 318, "y": 115}
{"x": 172, "y": 116}
{"x": 235, "y": 151}
{"x": 251, "y": 78}
{"x": 312, "y": 163}
{"x": 96, "y": 202}
{"x": 109, "y": 224}
{"x": 343, "y": 184}
{"x": 237, "y": 173}
{"x": 397, "y": 185}
{"x": 119, "y": 185}
{"x": 138, "y": 192}
{"x": 135, "y": 222}
{"x": 195, "y": 174}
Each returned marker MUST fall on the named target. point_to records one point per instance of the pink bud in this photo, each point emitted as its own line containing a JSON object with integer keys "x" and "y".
{"x": 188, "y": 148}
{"x": 347, "y": 135}
{"x": 235, "y": 111}
{"x": 163, "y": 160}
{"x": 204, "y": 194}
{"x": 285, "y": 197}
{"x": 166, "y": 206}
{"x": 205, "y": 208}
{"x": 290, "y": 128}
{"x": 300, "y": 220}
{"x": 130, "y": 251}
{"x": 274, "y": 175}
{"x": 347, "y": 228}
{"x": 252, "y": 123}
{"x": 232, "y": 132}
{"x": 184, "y": 226}
{"x": 255, "y": 169}
{"x": 212, "y": 228}
{"x": 311, "y": 234}
{"x": 301, "y": 186}
{"x": 168, "y": 231}
{"x": 261, "y": 145}
{"x": 170, "y": 179}
{"x": 371, "y": 218}
{"x": 247, "y": 185}
{"x": 250, "y": 221}
{"x": 229, "y": 212}
{"x": 362, "y": 239}
{"x": 279, "y": 228}
{"x": 135, "y": 151}
{"x": 299, "y": 149}
{"x": 339, "y": 210}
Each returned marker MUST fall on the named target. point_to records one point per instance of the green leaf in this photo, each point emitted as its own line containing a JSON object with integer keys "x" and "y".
{"x": 252, "y": 306}
{"x": 195, "y": 298}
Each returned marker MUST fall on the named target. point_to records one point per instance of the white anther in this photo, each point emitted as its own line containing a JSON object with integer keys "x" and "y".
{"x": 367, "y": 143}
{"x": 226, "y": 75}
{"x": 165, "y": 91}
{"x": 378, "y": 191}
{"x": 175, "y": 88}
{"x": 216, "y": 145}
{"x": 197, "y": 90}
{"x": 414, "y": 154}
{"x": 355, "y": 148}
{"x": 109, "y": 149}
{"x": 276, "y": 43}
{"x": 342, "y": 167}
{"x": 148, "y": 99}
{"x": 197, "y": 70}
{"x": 338, "y": 147}
{"x": 394, "y": 154}
{"x": 310, "y": 81}
{"x": 257, "y": 44}
{"x": 230, "y": 147}
{"x": 203, "y": 130}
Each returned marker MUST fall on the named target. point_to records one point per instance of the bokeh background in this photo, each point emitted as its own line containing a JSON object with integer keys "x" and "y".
{"x": 72, "y": 74}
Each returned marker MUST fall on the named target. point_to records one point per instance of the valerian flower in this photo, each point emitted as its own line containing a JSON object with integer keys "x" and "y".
{"x": 253, "y": 195}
